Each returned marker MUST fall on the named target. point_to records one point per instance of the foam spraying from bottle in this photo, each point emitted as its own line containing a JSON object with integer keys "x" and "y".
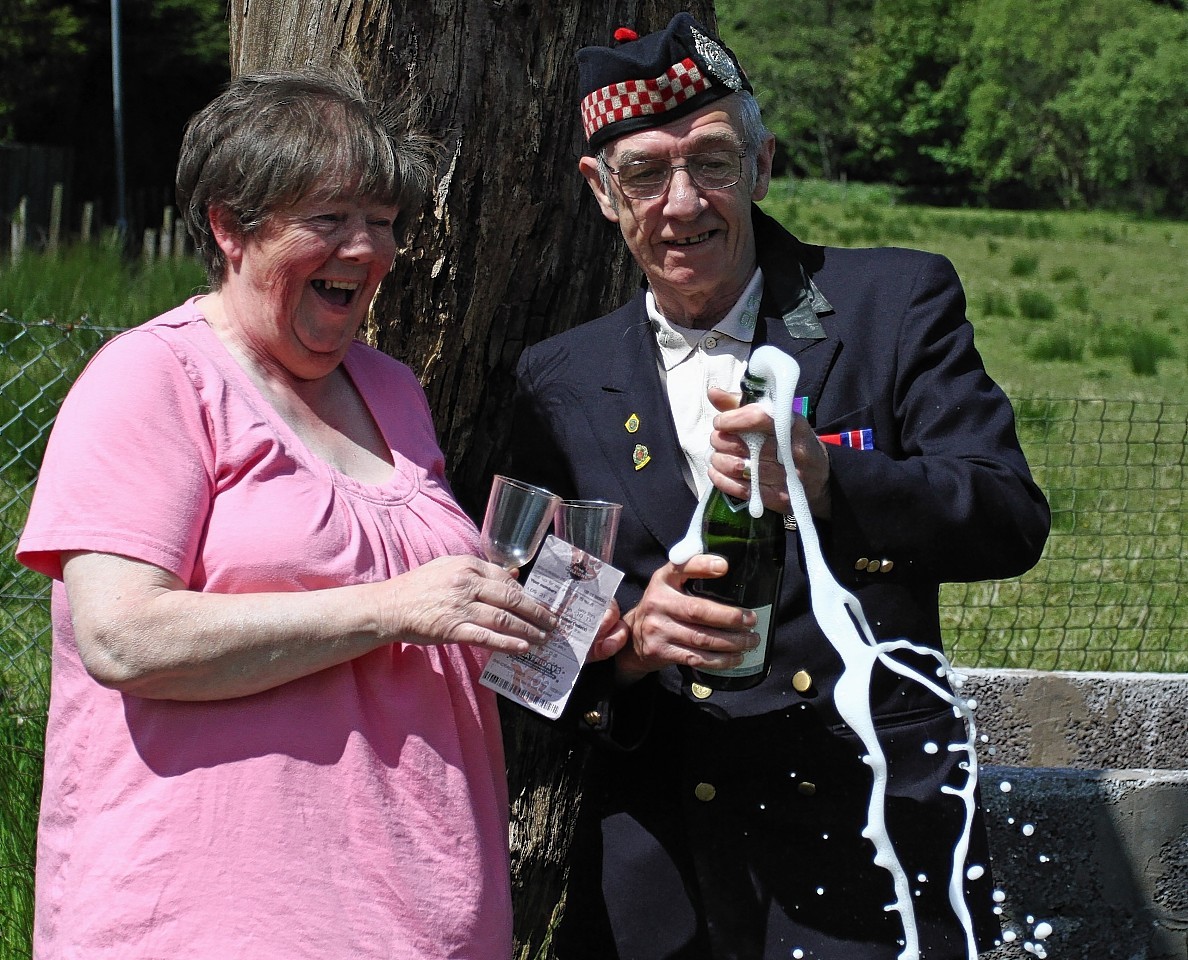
{"x": 844, "y": 624}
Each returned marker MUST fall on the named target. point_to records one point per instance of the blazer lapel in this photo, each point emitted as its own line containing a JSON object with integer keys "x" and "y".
{"x": 796, "y": 317}
{"x": 815, "y": 356}
{"x": 638, "y": 435}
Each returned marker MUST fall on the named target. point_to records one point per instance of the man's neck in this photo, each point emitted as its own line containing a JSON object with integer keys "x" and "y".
{"x": 694, "y": 313}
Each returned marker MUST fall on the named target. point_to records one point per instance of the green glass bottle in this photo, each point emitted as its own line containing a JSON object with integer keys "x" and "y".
{"x": 754, "y": 550}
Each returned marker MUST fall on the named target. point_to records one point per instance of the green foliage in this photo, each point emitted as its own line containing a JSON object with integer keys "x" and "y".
{"x": 40, "y": 40}
{"x": 1035, "y": 305}
{"x": 1024, "y": 264}
{"x": 1076, "y": 297}
{"x": 1009, "y": 102}
{"x": 996, "y": 303}
{"x": 22, "y": 737}
{"x": 1090, "y": 268}
{"x": 1130, "y": 101}
{"x": 1057, "y": 345}
{"x": 903, "y": 119}
{"x": 1020, "y": 56}
{"x": 175, "y": 55}
{"x": 796, "y": 54}
{"x": 95, "y": 284}
{"x": 1141, "y": 348}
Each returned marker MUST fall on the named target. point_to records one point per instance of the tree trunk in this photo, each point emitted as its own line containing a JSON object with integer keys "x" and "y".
{"x": 512, "y": 249}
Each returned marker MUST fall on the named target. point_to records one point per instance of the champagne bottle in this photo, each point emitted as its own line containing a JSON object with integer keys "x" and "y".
{"x": 754, "y": 550}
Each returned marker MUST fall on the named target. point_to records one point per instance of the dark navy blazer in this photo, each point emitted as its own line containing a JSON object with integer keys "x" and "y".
{"x": 945, "y": 495}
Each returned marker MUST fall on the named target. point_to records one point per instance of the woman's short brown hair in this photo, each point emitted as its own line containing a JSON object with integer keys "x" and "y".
{"x": 272, "y": 139}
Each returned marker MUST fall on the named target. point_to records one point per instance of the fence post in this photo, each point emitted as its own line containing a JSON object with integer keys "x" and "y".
{"x": 88, "y": 218}
{"x": 179, "y": 239}
{"x": 19, "y": 225}
{"x": 148, "y": 248}
{"x": 167, "y": 234}
{"x": 55, "y": 224}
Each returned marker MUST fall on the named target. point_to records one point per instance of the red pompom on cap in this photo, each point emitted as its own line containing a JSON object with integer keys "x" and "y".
{"x": 625, "y": 35}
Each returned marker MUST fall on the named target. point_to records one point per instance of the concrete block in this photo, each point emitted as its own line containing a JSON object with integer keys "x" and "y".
{"x": 1031, "y": 718}
{"x": 1099, "y": 857}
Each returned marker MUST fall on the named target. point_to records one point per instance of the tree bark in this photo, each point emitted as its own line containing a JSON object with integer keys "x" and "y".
{"x": 511, "y": 249}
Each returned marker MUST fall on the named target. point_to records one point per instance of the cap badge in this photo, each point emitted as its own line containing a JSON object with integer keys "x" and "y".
{"x": 717, "y": 60}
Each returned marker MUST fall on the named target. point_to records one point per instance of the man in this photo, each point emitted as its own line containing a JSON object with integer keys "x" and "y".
{"x": 730, "y": 824}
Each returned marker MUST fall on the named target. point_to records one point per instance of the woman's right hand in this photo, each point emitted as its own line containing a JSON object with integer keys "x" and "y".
{"x": 465, "y": 600}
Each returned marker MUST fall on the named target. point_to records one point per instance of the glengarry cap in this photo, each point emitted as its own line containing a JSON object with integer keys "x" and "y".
{"x": 645, "y": 82}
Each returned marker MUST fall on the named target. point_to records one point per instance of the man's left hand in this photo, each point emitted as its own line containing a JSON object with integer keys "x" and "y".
{"x": 730, "y": 465}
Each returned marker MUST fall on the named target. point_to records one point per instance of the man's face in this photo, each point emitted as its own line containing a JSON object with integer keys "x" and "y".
{"x": 697, "y": 247}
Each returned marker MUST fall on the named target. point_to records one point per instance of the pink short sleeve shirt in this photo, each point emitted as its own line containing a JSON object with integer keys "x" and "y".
{"x": 357, "y": 812}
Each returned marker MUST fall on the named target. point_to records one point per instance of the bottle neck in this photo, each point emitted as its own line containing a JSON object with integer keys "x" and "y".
{"x": 752, "y": 389}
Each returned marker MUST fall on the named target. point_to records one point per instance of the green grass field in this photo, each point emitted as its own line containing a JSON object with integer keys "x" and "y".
{"x": 1087, "y": 305}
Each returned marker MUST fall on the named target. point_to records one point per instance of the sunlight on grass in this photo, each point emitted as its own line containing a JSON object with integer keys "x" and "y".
{"x": 1026, "y": 271}
{"x": 94, "y": 284}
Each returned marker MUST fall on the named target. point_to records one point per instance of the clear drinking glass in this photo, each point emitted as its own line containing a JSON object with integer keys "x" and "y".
{"x": 516, "y": 521}
{"x": 589, "y": 525}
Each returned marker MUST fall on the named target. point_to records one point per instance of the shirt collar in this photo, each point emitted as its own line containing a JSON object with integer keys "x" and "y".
{"x": 677, "y": 342}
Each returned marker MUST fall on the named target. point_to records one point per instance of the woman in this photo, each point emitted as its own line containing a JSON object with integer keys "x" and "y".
{"x": 266, "y": 734}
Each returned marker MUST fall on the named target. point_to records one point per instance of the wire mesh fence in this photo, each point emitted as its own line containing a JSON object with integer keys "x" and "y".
{"x": 1109, "y": 592}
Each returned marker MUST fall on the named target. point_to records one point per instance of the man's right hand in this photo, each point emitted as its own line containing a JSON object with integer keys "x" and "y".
{"x": 669, "y": 626}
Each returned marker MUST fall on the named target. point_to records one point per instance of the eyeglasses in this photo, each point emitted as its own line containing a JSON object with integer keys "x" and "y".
{"x": 648, "y": 179}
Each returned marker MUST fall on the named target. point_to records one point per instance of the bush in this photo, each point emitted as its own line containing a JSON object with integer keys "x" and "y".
{"x": 1077, "y": 298}
{"x": 995, "y": 303}
{"x": 1024, "y": 265}
{"x": 1059, "y": 346}
{"x": 1145, "y": 349}
{"x": 1035, "y": 305}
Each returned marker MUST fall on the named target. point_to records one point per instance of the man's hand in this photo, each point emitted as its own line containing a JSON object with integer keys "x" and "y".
{"x": 613, "y": 635}
{"x": 669, "y": 626}
{"x": 729, "y": 468}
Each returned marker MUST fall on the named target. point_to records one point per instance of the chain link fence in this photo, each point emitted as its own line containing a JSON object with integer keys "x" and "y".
{"x": 1109, "y": 593}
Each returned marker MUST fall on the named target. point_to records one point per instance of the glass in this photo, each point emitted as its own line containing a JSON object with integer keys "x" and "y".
{"x": 648, "y": 179}
{"x": 517, "y": 519}
{"x": 589, "y": 525}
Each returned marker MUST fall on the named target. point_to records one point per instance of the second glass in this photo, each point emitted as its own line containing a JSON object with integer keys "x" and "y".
{"x": 590, "y": 525}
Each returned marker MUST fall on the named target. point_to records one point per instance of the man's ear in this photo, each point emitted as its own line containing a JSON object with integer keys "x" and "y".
{"x": 227, "y": 232}
{"x": 589, "y": 168}
{"x": 763, "y": 162}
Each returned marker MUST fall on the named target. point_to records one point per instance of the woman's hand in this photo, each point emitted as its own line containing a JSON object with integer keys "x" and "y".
{"x": 139, "y": 630}
{"x": 464, "y": 600}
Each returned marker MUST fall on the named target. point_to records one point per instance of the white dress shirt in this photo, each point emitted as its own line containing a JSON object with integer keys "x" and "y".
{"x": 692, "y": 361}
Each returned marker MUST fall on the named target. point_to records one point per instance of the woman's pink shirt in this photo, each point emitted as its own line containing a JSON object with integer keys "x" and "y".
{"x": 358, "y": 812}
